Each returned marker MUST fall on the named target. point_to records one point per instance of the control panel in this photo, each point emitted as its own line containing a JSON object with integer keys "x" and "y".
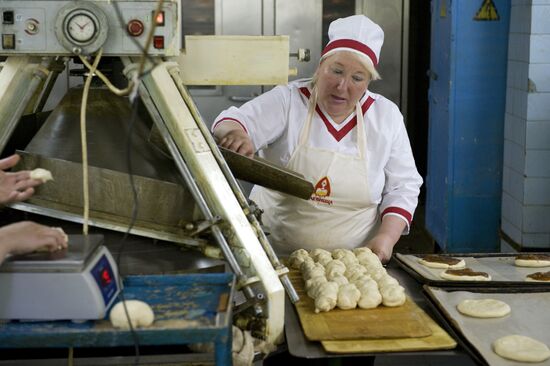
{"x": 120, "y": 27}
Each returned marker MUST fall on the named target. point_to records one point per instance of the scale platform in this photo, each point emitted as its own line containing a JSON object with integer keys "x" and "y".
{"x": 77, "y": 283}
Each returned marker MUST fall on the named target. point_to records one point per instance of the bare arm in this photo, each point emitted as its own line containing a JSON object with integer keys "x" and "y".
{"x": 387, "y": 236}
{"x": 15, "y": 187}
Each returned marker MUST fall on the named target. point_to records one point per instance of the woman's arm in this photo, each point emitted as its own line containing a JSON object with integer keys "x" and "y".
{"x": 386, "y": 237}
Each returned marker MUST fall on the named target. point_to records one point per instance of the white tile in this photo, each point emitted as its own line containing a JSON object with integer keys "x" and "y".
{"x": 540, "y": 2}
{"x": 514, "y": 129}
{"x": 537, "y": 134}
{"x": 536, "y": 241}
{"x": 519, "y": 103}
{"x": 513, "y": 184}
{"x": 539, "y": 49}
{"x": 536, "y": 219}
{"x": 540, "y": 76}
{"x": 538, "y": 106}
{"x": 514, "y": 156}
{"x": 512, "y": 211}
{"x": 511, "y": 230}
{"x": 536, "y": 191}
{"x": 540, "y": 16}
{"x": 537, "y": 163}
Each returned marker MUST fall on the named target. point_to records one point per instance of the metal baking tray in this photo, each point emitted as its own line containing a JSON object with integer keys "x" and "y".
{"x": 499, "y": 265}
{"x": 477, "y": 335}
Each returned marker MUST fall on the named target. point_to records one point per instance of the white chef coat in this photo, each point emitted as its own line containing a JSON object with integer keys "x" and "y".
{"x": 274, "y": 121}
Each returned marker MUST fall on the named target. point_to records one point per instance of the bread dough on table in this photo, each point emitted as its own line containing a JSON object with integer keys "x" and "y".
{"x": 140, "y": 313}
{"x": 335, "y": 267}
{"x": 393, "y": 296}
{"x": 484, "y": 308}
{"x": 521, "y": 348}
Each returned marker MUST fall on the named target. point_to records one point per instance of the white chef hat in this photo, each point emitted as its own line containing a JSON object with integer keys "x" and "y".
{"x": 357, "y": 34}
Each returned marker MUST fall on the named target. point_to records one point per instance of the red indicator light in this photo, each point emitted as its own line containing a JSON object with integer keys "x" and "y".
{"x": 106, "y": 277}
{"x": 158, "y": 42}
{"x": 160, "y": 19}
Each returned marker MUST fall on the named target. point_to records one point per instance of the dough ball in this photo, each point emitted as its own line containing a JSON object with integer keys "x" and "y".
{"x": 370, "y": 297}
{"x": 340, "y": 280}
{"x": 378, "y": 273}
{"x": 348, "y": 295}
{"x": 324, "y": 260}
{"x": 313, "y": 285}
{"x": 387, "y": 280}
{"x": 484, "y": 308}
{"x": 41, "y": 174}
{"x": 521, "y": 348}
{"x": 297, "y": 257}
{"x": 140, "y": 313}
{"x": 393, "y": 296}
{"x": 360, "y": 251}
{"x": 335, "y": 266}
{"x": 315, "y": 253}
{"x": 371, "y": 261}
{"x": 341, "y": 253}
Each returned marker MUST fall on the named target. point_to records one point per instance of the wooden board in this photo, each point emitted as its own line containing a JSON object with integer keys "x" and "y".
{"x": 438, "y": 340}
{"x": 381, "y": 322}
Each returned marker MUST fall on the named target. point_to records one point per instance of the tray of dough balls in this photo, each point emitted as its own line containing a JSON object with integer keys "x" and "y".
{"x": 479, "y": 269}
{"x": 348, "y": 295}
{"x": 502, "y": 326}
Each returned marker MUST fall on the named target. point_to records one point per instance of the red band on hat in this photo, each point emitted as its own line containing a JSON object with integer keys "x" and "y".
{"x": 350, "y": 43}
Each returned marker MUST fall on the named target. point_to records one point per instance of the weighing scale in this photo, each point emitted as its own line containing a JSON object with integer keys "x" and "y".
{"x": 77, "y": 283}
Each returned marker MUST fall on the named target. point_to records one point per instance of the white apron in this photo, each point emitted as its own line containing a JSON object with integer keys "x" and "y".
{"x": 339, "y": 214}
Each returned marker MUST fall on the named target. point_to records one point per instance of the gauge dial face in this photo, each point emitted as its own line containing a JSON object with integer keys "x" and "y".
{"x": 81, "y": 27}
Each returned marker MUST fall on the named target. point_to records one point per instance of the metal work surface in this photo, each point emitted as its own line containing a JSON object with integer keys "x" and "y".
{"x": 188, "y": 309}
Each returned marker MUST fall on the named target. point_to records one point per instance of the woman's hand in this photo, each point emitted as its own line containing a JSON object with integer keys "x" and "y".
{"x": 238, "y": 140}
{"x": 27, "y": 236}
{"x": 387, "y": 236}
{"x": 15, "y": 187}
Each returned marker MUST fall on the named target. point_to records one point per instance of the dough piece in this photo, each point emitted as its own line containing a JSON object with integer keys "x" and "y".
{"x": 360, "y": 279}
{"x": 370, "y": 296}
{"x": 348, "y": 295}
{"x": 318, "y": 252}
{"x": 378, "y": 273}
{"x": 440, "y": 261}
{"x": 335, "y": 267}
{"x": 297, "y": 257}
{"x": 361, "y": 251}
{"x": 316, "y": 270}
{"x": 538, "y": 277}
{"x": 393, "y": 296}
{"x": 41, "y": 174}
{"x": 355, "y": 270}
{"x": 327, "y": 297}
{"x": 484, "y": 308}
{"x": 341, "y": 253}
{"x": 371, "y": 261}
{"x": 465, "y": 274}
{"x": 340, "y": 280}
{"x": 307, "y": 264}
{"x": 532, "y": 260}
{"x": 387, "y": 280}
{"x": 313, "y": 285}
{"x": 349, "y": 260}
{"x": 140, "y": 313}
{"x": 324, "y": 260}
{"x": 521, "y": 348}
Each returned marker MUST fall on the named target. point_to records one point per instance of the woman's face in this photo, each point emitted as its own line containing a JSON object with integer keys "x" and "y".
{"x": 341, "y": 81}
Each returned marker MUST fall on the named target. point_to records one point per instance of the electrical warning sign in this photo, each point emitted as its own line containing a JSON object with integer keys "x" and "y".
{"x": 487, "y": 11}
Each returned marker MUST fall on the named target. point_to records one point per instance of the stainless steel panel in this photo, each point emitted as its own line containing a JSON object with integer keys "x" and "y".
{"x": 389, "y": 15}
{"x": 302, "y": 21}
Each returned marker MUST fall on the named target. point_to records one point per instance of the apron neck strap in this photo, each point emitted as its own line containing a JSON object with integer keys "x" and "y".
{"x": 361, "y": 134}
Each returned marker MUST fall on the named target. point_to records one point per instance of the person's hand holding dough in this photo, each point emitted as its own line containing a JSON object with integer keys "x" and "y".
{"x": 17, "y": 186}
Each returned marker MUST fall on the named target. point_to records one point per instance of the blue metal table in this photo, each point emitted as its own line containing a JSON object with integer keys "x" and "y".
{"x": 191, "y": 308}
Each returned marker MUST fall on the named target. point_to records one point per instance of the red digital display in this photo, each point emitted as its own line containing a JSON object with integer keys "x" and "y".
{"x": 105, "y": 277}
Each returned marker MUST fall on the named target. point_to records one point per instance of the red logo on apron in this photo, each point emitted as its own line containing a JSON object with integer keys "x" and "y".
{"x": 322, "y": 191}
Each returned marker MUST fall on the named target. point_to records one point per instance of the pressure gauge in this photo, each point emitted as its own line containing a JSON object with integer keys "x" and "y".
{"x": 81, "y": 27}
